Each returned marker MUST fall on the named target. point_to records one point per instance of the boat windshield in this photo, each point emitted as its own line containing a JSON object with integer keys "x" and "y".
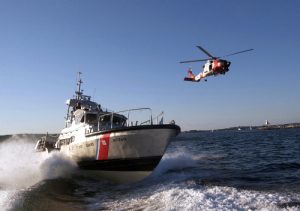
{"x": 91, "y": 118}
{"x": 118, "y": 121}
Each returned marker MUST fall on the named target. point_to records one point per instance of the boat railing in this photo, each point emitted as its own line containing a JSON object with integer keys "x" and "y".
{"x": 128, "y": 119}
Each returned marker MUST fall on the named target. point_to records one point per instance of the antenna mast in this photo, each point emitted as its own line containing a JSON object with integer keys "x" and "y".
{"x": 79, "y": 82}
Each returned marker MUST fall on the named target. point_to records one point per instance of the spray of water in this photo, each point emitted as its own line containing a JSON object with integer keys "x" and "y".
{"x": 18, "y": 163}
{"x": 57, "y": 165}
{"x": 175, "y": 161}
{"x": 21, "y": 167}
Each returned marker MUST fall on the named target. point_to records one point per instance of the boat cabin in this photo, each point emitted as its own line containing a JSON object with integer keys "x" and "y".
{"x": 101, "y": 120}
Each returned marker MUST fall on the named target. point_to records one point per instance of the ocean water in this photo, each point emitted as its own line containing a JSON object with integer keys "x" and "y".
{"x": 236, "y": 170}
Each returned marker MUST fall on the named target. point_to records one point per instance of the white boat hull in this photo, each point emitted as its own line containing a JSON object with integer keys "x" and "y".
{"x": 122, "y": 155}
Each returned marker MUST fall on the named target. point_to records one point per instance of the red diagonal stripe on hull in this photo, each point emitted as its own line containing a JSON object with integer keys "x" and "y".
{"x": 103, "y": 147}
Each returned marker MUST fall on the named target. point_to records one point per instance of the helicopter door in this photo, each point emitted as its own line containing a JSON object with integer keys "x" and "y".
{"x": 207, "y": 68}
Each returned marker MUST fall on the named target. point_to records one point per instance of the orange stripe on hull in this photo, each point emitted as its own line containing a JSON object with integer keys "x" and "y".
{"x": 103, "y": 147}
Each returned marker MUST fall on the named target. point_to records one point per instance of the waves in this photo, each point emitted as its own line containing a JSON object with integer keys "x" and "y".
{"x": 57, "y": 166}
{"x": 193, "y": 197}
{"x": 21, "y": 167}
{"x": 178, "y": 185}
{"x": 18, "y": 163}
{"x": 176, "y": 161}
{"x": 202, "y": 174}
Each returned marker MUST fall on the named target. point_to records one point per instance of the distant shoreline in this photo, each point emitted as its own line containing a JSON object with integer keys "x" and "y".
{"x": 30, "y": 136}
{"x": 249, "y": 128}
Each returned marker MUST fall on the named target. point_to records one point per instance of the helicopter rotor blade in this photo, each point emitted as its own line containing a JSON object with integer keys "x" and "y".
{"x": 197, "y": 60}
{"x": 238, "y": 52}
{"x": 205, "y": 51}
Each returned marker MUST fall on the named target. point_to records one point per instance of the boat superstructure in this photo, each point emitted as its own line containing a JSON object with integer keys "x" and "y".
{"x": 46, "y": 143}
{"x": 113, "y": 144}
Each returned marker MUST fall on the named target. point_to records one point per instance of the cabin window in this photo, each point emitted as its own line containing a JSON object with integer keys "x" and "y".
{"x": 91, "y": 118}
{"x": 105, "y": 121}
{"x": 119, "y": 122}
{"x": 66, "y": 141}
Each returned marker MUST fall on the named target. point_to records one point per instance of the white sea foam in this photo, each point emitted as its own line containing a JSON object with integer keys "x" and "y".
{"x": 181, "y": 160}
{"x": 175, "y": 161}
{"x": 57, "y": 165}
{"x": 6, "y": 196}
{"x": 21, "y": 167}
{"x": 201, "y": 198}
{"x": 181, "y": 191}
{"x": 18, "y": 163}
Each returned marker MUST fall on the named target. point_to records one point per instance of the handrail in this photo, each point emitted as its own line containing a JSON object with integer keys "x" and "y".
{"x": 159, "y": 115}
{"x": 136, "y": 109}
{"x": 111, "y": 114}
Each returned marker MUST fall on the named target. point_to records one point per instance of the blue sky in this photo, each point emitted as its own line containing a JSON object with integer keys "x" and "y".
{"x": 129, "y": 53}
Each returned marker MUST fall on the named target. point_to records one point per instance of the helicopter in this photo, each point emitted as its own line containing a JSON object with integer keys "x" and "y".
{"x": 213, "y": 66}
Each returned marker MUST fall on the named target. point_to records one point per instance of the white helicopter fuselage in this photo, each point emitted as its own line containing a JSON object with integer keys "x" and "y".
{"x": 207, "y": 71}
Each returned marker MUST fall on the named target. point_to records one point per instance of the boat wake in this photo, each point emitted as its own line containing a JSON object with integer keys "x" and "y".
{"x": 191, "y": 196}
{"x": 182, "y": 181}
{"x": 182, "y": 161}
{"x": 21, "y": 167}
{"x": 56, "y": 165}
{"x": 18, "y": 163}
{"x": 175, "y": 161}
{"x": 177, "y": 184}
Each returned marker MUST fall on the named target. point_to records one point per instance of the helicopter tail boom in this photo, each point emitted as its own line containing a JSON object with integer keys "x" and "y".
{"x": 191, "y": 77}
